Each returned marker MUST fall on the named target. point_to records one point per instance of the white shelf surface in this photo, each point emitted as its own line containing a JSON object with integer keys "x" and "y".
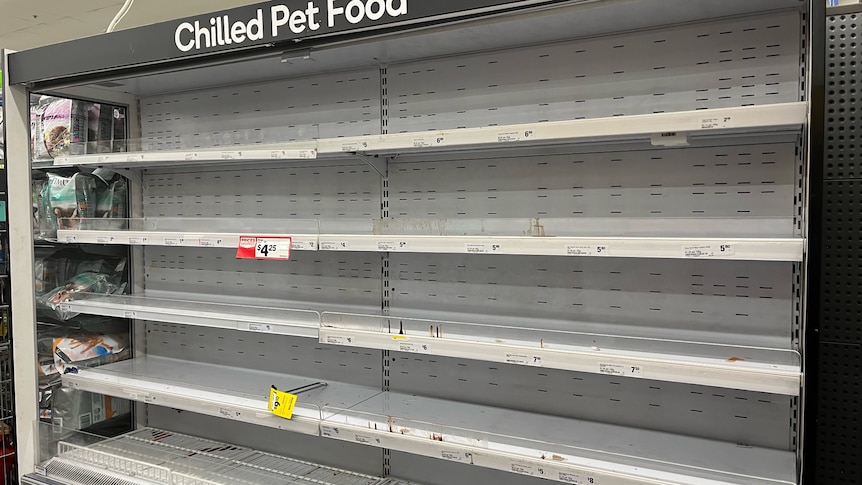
{"x": 513, "y": 341}
{"x": 149, "y": 156}
{"x": 199, "y": 232}
{"x": 722, "y": 121}
{"x": 755, "y": 239}
{"x": 477, "y": 337}
{"x": 154, "y": 456}
{"x": 556, "y": 448}
{"x": 250, "y": 315}
{"x": 221, "y": 391}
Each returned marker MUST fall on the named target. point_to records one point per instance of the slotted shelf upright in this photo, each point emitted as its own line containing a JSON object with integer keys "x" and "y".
{"x": 557, "y": 241}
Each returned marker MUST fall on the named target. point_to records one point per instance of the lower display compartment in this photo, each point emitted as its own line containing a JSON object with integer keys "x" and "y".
{"x": 150, "y": 456}
{"x": 551, "y": 447}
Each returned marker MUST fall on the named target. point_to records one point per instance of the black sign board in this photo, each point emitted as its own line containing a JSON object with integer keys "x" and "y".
{"x": 292, "y": 23}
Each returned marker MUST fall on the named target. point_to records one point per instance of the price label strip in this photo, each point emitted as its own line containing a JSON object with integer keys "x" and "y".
{"x": 709, "y": 251}
{"x": 282, "y": 403}
{"x": 270, "y": 248}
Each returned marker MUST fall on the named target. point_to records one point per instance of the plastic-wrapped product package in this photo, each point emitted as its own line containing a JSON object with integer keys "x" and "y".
{"x": 57, "y": 354}
{"x": 118, "y": 136}
{"x": 65, "y": 124}
{"x": 65, "y": 200}
{"x": 76, "y": 410}
{"x": 85, "y": 282}
{"x": 38, "y": 150}
{"x": 93, "y": 112}
{"x": 61, "y": 275}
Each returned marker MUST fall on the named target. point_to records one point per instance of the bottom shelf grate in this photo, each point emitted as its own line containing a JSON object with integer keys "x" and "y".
{"x": 151, "y": 456}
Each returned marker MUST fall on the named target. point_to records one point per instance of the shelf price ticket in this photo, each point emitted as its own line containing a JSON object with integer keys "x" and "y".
{"x": 281, "y": 403}
{"x": 265, "y": 247}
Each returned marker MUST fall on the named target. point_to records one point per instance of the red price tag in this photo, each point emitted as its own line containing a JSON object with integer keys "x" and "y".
{"x": 264, "y": 247}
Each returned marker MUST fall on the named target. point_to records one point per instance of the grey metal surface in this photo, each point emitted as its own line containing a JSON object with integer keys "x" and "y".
{"x": 295, "y": 192}
{"x": 717, "y": 64}
{"x": 323, "y": 106}
{"x": 716, "y": 301}
{"x": 273, "y": 353}
{"x": 352, "y": 279}
{"x": 722, "y": 414}
{"x": 740, "y": 179}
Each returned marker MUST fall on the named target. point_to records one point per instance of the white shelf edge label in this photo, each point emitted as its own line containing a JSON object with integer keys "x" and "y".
{"x": 130, "y": 315}
{"x": 527, "y": 468}
{"x": 709, "y": 250}
{"x": 303, "y": 246}
{"x": 137, "y": 240}
{"x": 260, "y": 327}
{"x": 71, "y": 239}
{"x": 429, "y": 141}
{"x": 482, "y": 248}
{"x": 173, "y": 241}
{"x": 524, "y": 359}
{"x": 669, "y": 139}
{"x": 230, "y": 413}
{"x": 392, "y": 247}
{"x": 622, "y": 370}
{"x": 713, "y": 123}
{"x": 588, "y": 250}
{"x": 65, "y": 307}
{"x": 210, "y": 242}
{"x": 105, "y": 239}
{"x": 404, "y": 345}
{"x": 354, "y": 146}
{"x": 512, "y": 136}
{"x": 459, "y": 456}
{"x": 366, "y": 440}
{"x": 268, "y": 248}
{"x": 575, "y": 478}
{"x": 334, "y": 246}
{"x": 338, "y": 340}
{"x": 329, "y": 431}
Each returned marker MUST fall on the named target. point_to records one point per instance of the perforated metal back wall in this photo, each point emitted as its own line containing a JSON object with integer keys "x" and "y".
{"x": 274, "y": 353}
{"x": 735, "y": 180}
{"x": 325, "y": 106}
{"x": 839, "y": 436}
{"x": 276, "y": 193}
{"x": 723, "y": 414}
{"x": 704, "y": 301}
{"x": 708, "y": 65}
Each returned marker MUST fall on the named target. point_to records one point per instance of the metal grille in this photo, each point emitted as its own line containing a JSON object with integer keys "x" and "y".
{"x": 153, "y": 456}
{"x": 838, "y": 447}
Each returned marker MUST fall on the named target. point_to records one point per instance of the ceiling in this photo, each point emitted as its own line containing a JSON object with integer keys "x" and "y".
{"x": 26, "y": 24}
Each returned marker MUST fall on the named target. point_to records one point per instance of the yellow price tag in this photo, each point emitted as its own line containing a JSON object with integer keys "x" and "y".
{"x": 399, "y": 337}
{"x": 281, "y": 403}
